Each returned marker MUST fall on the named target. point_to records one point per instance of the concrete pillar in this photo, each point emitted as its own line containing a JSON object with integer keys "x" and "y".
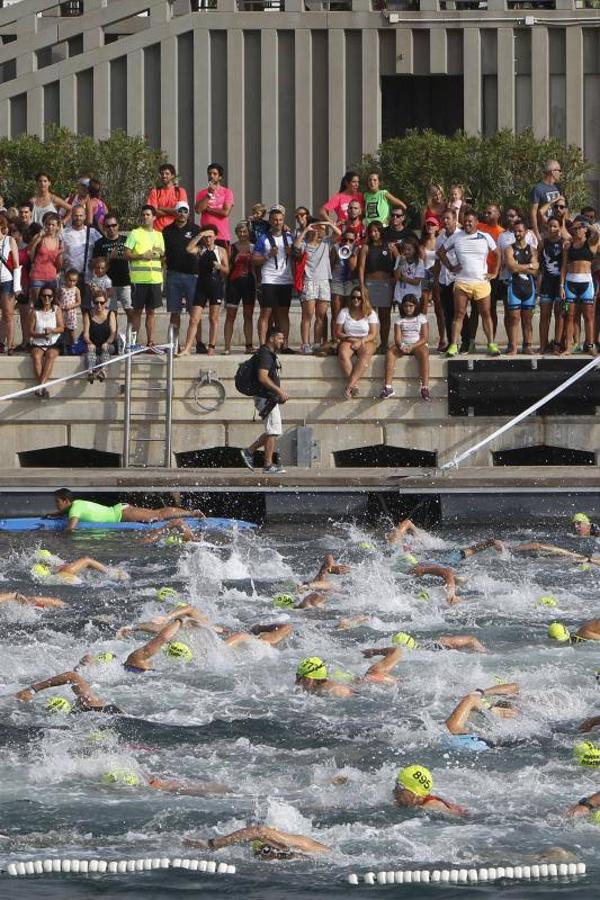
{"x": 404, "y": 51}
{"x": 336, "y": 76}
{"x": 506, "y": 78}
{"x": 168, "y": 97}
{"x": 472, "y": 80}
{"x": 101, "y": 111}
{"x": 68, "y": 102}
{"x": 35, "y": 111}
{"x": 269, "y": 117}
{"x": 438, "y": 52}
{"x": 5, "y": 118}
{"x": 92, "y": 39}
{"x": 202, "y": 120}
{"x": 235, "y": 114}
{"x": 135, "y": 92}
{"x": 371, "y": 91}
{"x": 574, "y": 78}
{"x": 540, "y": 81}
{"x": 25, "y": 63}
{"x": 303, "y": 80}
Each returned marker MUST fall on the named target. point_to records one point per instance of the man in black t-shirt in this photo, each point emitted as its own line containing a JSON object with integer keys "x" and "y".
{"x": 397, "y": 230}
{"x": 182, "y": 267}
{"x": 112, "y": 247}
{"x": 268, "y": 382}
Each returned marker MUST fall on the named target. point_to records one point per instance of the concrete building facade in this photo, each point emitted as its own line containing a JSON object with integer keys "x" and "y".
{"x": 288, "y": 93}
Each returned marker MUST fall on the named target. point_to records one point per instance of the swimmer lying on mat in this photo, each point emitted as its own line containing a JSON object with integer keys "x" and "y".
{"x": 86, "y": 511}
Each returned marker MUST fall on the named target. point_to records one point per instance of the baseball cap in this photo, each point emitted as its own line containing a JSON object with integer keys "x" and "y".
{"x": 181, "y": 205}
{"x": 277, "y": 207}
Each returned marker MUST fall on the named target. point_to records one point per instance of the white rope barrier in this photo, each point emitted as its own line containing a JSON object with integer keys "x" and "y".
{"x": 115, "y": 866}
{"x": 522, "y": 415}
{"x": 78, "y": 374}
{"x": 464, "y": 876}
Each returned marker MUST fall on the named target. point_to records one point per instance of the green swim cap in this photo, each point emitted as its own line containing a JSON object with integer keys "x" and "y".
{"x": 39, "y": 570}
{"x": 365, "y": 545}
{"x": 581, "y": 519}
{"x": 558, "y": 632}
{"x": 410, "y": 559}
{"x": 594, "y": 817}
{"x": 587, "y": 754}
{"x": 105, "y": 657}
{"x": 173, "y": 540}
{"x": 283, "y": 601}
{"x": 120, "y": 776}
{"x": 257, "y": 846}
{"x": 166, "y": 593}
{"x": 312, "y": 667}
{"x": 548, "y": 600}
{"x": 416, "y": 779}
{"x": 179, "y": 650}
{"x": 405, "y": 639}
{"x": 584, "y": 567}
{"x": 59, "y": 705}
{"x": 43, "y": 554}
{"x": 423, "y": 594}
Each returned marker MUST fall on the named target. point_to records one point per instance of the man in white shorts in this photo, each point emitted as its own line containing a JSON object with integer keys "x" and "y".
{"x": 268, "y": 382}
{"x": 471, "y": 248}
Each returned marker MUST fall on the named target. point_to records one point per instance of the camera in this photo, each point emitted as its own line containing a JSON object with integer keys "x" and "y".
{"x": 345, "y": 251}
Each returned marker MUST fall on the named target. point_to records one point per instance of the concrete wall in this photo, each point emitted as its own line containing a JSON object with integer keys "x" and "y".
{"x": 288, "y": 99}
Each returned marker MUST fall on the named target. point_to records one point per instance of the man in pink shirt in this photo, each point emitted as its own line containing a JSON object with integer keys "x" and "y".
{"x": 214, "y": 203}
{"x": 165, "y": 198}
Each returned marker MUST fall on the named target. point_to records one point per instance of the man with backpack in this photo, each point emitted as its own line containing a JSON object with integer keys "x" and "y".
{"x": 258, "y": 377}
{"x": 273, "y": 254}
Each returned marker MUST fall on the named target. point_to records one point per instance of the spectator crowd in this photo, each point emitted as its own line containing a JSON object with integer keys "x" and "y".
{"x": 365, "y": 277}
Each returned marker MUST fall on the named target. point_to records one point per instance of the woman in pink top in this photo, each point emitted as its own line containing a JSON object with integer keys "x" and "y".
{"x": 45, "y": 253}
{"x": 214, "y": 203}
{"x": 338, "y": 204}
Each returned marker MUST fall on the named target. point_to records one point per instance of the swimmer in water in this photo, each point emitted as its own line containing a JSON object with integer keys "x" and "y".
{"x": 413, "y": 789}
{"x": 316, "y": 587}
{"x": 312, "y": 675}
{"x": 68, "y": 571}
{"x": 170, "y": 786}
{"x": 175, "y": 531}
{"x": 457, "y": 722}
{"x": 138, "y": 660}
{"x": 87, "y": 700}
{"x": 269, "y": 634}
{"x": 39, "y": 602}
{"x": 585, "y": 806}
{"x": 86, "y": 511}
{"x": 583, "y": 525}
{"x": 443, "y": 642}
{"x": 406, "y": 527}
{"x": 268, "y": 844}
{"x": 587, "y": 631}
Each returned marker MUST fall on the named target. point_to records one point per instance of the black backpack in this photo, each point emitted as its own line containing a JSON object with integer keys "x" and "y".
{"x": 246, "y": 379}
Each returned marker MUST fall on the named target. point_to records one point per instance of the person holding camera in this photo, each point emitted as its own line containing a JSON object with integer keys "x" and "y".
{"x": 266, "y": 400}
{"x": 312, "y": 249}
{"x": 213, "y": 266}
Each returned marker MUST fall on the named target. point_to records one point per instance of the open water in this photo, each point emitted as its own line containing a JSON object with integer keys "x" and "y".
{"x": 234, "y": 716}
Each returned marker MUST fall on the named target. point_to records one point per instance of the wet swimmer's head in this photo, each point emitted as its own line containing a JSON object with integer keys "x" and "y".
{"x": 268, "y": 852}
{"x": 404, "y": 639}
{"x": 283, "y": 601}
{"x": 121, "y": 776}
{"x": 586, "y": 753}
{"x": 559, "y": 632}
{"x": 43, "y": 555}
{"x": 41, "y": 570}
{"x": 178, "y": 650}
{"x": 166, "y": 594}
{"x": 313, "y": 668}
{"x": 414, "y": 784}
{"x": 58, "y": 706}
{"x": 548, "y": 600}
{"x": 582, "y": 524}
{"x": 173, "y": 540}
{"x": 104, "y": 658}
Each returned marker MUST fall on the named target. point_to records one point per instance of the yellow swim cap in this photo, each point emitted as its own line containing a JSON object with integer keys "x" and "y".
{"x": 587, "y": 754}
{"x": 365, "y": 545}
{"x": 312, "y": 667}
{"x": 410, "y": 559}
{"x": 558, "y": 632}
{"x": 584, "y": 567}
{"x": 173, "y": 540}
{"x": 405, "y": 639}
{"x": 547, "y": 600}
{"x": 416, "y": 779}
{"x": 179, "y": 650}
{"x": 58, "y": 705}
{"x": 166, "y": 593}
{"x": 43, "y": 554}
{"x": 120, "y": 776}
{"x": 105, "y": 657}
{"x": 594, "y": 817}
{"x": 39, "y": 570}
{"x": 283, "y": 601}
{"x": 423, "y": 594}
{"x": 580, "y": 518}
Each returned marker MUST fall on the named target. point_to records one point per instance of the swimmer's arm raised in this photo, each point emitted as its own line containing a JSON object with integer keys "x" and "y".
{"x": 402, "y": 528}
{"x": 79, "y": 684}
{"x": 391, "y": 658}
{"x": 147, "y": 651}
{"x": 482, "y": 545}
{"x": 457, "y": 720}
{"x": 582, "y": 809}
{"x": 444, "y": 572}
{"x": 588, "y": 724}
{"x": 510, "y": 687}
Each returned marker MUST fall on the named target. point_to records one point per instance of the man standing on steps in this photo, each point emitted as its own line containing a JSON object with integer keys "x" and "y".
{"x": 182, "y": 267}
{"x": 268, "y": 382}
{"x": 272, "y": 255}
{"x": 145, "y": 250}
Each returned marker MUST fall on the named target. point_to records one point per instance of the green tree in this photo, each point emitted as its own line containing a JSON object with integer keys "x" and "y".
{"x": 498, "y": 169}
{"x": 125, "y": 165}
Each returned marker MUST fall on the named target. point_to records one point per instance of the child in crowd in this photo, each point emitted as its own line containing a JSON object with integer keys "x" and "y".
{"x": 69, "y": 300}
{"x": 456, "y": 200}
{"x": 258, "y": 224}
{"x": 99, "y": 282}
{"x": 411, "y": 334}
{"x": 409, "y": 271}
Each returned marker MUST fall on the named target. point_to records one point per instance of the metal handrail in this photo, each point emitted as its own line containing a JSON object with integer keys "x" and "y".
{"x": 127, "y": 401}
{"x": 172, "y": 341}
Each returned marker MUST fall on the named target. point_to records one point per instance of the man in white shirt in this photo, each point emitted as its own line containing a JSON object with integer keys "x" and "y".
{"x": 77, "y": 238}
{"x": 272, "y": 254}
{"x": 443, "y": 281}
{"x": 471, "y": 248}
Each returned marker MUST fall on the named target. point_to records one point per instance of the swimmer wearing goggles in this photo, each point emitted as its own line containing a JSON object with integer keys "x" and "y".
{"x": 413, "y": 788}
{"x": 268, "y": 844}
{"x": 68, "y": 571}
{"x": 587, "y": 631}
{"x": 86, "y": 700}
{"x": 477, "y": 701}
{"x": 312, "y": 675}
{"x": 583, "y": 525}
